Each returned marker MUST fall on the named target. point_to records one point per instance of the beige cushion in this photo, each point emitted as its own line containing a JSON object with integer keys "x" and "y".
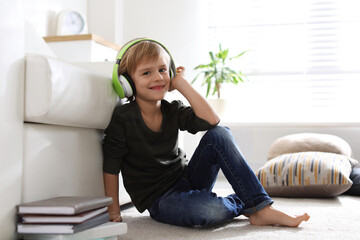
{"x": 306, "y": 174}
{"x": 305, "y": 142}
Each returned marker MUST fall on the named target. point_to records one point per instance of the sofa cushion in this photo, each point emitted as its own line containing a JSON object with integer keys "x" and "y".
{"x": 62, "y": 93}
{"x": 305, "y": 142}
{"x": 306, "y": 174}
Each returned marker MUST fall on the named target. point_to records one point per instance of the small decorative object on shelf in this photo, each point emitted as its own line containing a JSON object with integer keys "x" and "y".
{"x": 70, "y": 22}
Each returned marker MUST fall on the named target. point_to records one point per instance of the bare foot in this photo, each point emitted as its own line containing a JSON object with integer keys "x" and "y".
{"x": 271, "y": 216}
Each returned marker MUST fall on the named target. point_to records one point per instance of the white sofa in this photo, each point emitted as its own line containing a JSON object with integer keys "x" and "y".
{"x": 67, "y": 106}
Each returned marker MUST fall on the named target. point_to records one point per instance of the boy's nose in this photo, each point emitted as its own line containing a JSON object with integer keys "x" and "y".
{"x": 159, "y": 76}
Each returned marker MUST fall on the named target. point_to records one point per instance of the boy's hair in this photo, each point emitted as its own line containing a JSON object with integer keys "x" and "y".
{"x": 136, "y": 53}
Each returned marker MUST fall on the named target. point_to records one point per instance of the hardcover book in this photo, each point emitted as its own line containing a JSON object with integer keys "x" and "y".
{"x": 108, "y": 230}
{"x": 62, "y": 228}
{"x": 78, "y": 218}
{"x": 68, "y": 205}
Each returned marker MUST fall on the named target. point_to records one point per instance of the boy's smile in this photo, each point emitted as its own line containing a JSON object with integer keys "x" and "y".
{"x": 157, "y": 88}
{"x": 151, "y": 78}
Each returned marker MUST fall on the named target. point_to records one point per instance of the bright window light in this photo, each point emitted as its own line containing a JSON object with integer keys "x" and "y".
{"x": 302, "y": 63}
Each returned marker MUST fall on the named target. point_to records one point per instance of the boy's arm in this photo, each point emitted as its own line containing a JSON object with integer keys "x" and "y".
{"x": 199, "y": 104}
{"x": 111, "y": 183}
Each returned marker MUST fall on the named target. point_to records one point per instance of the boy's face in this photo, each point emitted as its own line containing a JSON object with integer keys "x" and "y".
{"x": 151, "y": 78}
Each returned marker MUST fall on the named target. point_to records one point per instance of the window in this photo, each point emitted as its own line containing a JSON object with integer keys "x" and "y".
{"x": 302, "y": 64}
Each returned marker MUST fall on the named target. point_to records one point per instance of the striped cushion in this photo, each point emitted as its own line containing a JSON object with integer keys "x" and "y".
{"x": 306, "y": 174}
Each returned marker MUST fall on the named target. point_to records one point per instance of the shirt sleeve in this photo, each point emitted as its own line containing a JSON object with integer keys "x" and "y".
{"x": 189, "y": 121}
{"x": 114, "y": 146}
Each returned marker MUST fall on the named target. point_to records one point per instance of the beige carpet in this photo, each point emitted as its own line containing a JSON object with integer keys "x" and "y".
{"x": 334, "y": 218}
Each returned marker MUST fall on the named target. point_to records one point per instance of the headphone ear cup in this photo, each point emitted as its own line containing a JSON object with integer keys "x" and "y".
{"x": 171, "y": 74}
{"x": 172, "y": 69}
{"x": 117, "y": 84}
{"x": 127, "y": 84}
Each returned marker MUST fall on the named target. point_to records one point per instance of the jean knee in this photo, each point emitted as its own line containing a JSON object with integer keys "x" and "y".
{"x": 209, "y": 213}
{"x": 218, "y": 212}
{"x": 194, "y": 208}
{"x": 218, "y": 132}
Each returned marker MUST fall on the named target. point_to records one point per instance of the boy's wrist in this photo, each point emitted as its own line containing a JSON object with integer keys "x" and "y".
{"x": 113, "y": 209}
{"x": 182, "y": 85}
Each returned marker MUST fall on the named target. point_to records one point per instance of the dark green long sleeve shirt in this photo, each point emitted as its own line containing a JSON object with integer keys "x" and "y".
{"x": 150, "y": 162}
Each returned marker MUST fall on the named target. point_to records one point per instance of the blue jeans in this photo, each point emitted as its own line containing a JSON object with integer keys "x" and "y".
{"x": 191, "y": 202}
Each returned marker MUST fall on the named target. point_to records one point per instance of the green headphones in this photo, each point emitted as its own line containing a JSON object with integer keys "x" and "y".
{"x": 124, "y": 86}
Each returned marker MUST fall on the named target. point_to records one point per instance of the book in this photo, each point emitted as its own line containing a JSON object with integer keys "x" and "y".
{"x": 78, "y": 218}
{"x": 108, "y": 230}
{"x": 62, "y": 228}
{"x": 68, "y": 205}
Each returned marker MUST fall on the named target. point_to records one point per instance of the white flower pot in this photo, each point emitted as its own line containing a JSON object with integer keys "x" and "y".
{"x": 219, "y": 105}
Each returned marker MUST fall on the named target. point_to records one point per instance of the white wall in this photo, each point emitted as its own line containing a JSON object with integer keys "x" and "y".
{"x": 255, "y": 139}
{"x": 180, "y": 25}
{"x": 42, "y": 13}
{"x": 12, "y": 47}
{"x": 105, "y": 18}
{"x": 11, "y": 106}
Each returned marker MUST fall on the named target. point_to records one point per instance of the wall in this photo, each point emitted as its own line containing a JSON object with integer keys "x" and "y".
{"x": 255, "y": 139}
{"x": 12, "y": 47}
{"x": 178, "y": 25}
{"x": 11, "y": 105}
{"x": 42, "y": 13}
{"x": 105, "y": 18}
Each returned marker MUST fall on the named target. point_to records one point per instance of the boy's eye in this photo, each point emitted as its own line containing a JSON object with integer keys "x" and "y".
{"x": 146, "y": 73}
{"x": 162, "y": 70}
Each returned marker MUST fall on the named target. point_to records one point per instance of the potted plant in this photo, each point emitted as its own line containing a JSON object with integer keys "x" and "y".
{"x": 216, "y": 73}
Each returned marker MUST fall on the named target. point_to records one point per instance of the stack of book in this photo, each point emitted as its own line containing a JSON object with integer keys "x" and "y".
{"x": 62, "y": 215}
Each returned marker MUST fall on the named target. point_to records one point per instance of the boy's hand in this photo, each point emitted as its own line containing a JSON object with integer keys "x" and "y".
{"x": 115, "y": 217}
{"x": 180, "y": 76}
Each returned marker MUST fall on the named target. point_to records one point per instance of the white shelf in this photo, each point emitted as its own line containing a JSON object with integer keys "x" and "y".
{"x": 82, "y": 48}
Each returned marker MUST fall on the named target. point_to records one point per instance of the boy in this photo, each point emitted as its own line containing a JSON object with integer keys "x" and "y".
{"x": 141, "y": 141}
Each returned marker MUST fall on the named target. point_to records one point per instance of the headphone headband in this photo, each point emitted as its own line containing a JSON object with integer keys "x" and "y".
{"x": 124, "y": 85}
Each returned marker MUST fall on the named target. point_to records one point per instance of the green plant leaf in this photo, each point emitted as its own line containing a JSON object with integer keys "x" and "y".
{"x": 216, "y": 72}
{"x": 224, "y": 54}
{"x": 238, "y": 55}
{"x": 208, "y": 89}
{"x": 212, "y": 57}
{"x": 201, "y": 66}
